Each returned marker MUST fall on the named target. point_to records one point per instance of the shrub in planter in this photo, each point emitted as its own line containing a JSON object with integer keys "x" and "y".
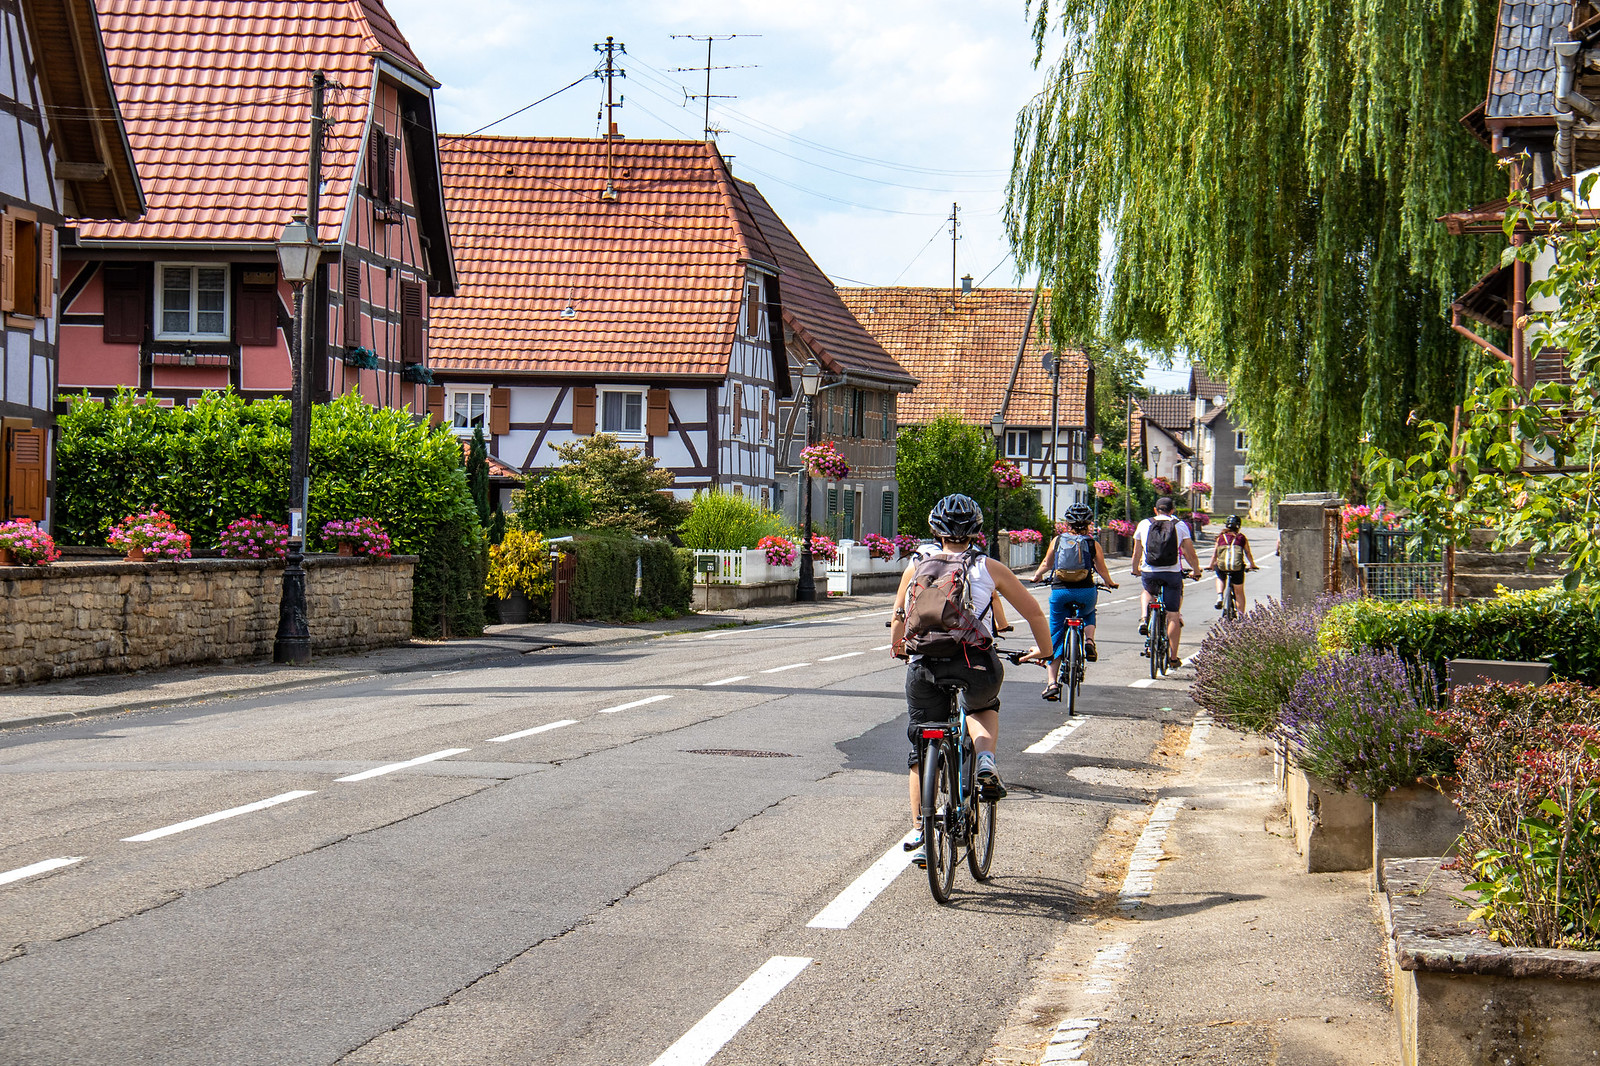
{"x": 1120, "y": 526}
{"x": 1024, "y": 536}
{"x": 1246, "y": 669}
{"x": 365, "y": 536}
{"x": 879, "y": 546}
{"x": 152, "y": 533}
{"x": 28, "y": 544}
{"x": 520, "y": 564}
{"x": 254, "y": 538}
{"x": 726, "y": 521}
{"x": 1364, "y": 723}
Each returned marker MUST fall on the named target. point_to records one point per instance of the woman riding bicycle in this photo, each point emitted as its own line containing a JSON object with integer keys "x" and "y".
{"x": 973, "y": 663}
{"x": 1230, "y": 557}
{"x": 1072, "y": 561}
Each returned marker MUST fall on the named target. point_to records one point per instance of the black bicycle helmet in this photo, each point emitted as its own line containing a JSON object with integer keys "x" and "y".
{"x": 1232, "y": 524}
{"x": 1078, "y": 514}
{"x": 956, "y": 517}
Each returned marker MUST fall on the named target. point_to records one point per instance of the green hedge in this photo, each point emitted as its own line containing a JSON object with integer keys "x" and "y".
{"x": 603, "y": 585}
{"x": 1543, "y": 625}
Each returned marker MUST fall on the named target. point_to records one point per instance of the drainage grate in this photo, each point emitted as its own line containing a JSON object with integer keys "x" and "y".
{"x": 739, "y": 753}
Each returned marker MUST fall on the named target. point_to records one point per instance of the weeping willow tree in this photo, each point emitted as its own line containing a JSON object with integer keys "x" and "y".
{"x": 1265, "y": 175}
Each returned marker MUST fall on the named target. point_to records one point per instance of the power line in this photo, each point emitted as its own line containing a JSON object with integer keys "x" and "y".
{"x": 937, "y": 230}
{"x": 840, "y": 200}
{"x": 585, "y": 77}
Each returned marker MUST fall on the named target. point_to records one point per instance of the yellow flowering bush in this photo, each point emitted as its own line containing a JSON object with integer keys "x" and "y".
{"x": 519, "y": 563}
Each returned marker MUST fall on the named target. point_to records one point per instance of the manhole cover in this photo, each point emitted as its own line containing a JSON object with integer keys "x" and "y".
{"x": 740, "y": 753}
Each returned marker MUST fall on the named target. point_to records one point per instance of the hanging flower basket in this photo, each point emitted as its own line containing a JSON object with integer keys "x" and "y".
{"x": 357, "y": 536}
{"x": 1200, "y": 487}
{"x": 1009, "y": 474}
{"x": 1105, "y": 489}
{"x": 149, "y": 535}
{"x": 1162, "y": 484}
{"x": 417, "y": 374}
{"x": 24, "y": 544}
{"x": 823, "y": 460}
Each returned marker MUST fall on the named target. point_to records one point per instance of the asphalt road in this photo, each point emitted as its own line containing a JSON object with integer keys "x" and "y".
{"x": 610, "y": 856}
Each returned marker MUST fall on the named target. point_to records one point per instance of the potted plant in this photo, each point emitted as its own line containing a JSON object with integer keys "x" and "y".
{"x": 519, "y": 572}
{"x": 24, "y": 544}
{"x": 780, "y": 550}
{"x": 149, "y": 535}
{"x": 254, "y": 538}
{"x": 1106, "y": 489}
{"x": 905, "y": 544}
{"x": 824, "y": 461}
{"x": 357, "y": 536}
{"x": 878, "y": 546}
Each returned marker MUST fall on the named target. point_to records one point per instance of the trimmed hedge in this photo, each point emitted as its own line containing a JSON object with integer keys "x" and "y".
{"x": 604, "y": 581}
{"x": 1541, "y": 625}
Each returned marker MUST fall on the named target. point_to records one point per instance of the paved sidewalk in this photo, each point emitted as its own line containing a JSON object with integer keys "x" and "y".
{"x": 105, "y": 694}
{"x": 1217, "y": 948}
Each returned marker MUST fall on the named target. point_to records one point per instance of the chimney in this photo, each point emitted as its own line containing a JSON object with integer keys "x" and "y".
{"x": 614, "y": 132}
{"x": 966, "y": 284}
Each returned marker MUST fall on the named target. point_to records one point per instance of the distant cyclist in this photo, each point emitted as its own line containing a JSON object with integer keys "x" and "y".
{"x": 1230, "y": 558}
{"x": 944, "y": 623}
{"x": 1072, "y": 562}
{"x": 1161, "y": 545}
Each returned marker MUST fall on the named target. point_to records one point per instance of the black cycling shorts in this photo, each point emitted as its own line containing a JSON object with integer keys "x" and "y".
{"x": 927, "y": 702}
{"x": 1232, "y": 577}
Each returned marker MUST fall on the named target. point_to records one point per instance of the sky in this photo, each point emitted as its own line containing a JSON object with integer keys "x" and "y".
{"x": 862, "y": 121}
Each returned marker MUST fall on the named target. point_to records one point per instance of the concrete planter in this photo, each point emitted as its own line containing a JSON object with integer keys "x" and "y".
{"x": 1332, "y": 829}
{"x": 514, "y": 609}
{"x": 1414, "y": 822}
{"x": 1460, "y": 999}
{"x": 733, "y": 597}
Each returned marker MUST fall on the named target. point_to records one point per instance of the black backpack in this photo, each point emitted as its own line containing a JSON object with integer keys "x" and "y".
{"x": 1161, "y": 542}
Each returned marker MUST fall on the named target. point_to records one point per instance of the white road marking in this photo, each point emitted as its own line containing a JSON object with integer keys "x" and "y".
{"x": 207, "y": 819}
{"x": 836, "y": 658}
{"x": 700, "y": 1044}
{"x": 1067, "y": 1043}
{"x": 848, "y": 905}
{"x": 389, "y": 768}
{"x": 1102, "y": 971}
{"x": 728, "y": 680}
{"x": 1147, "y": 853}
{"x": 38, "y": 868}
{"x": 1055, "y": 736}
{"x": 636, "y": 703}
{"x": 519, "y": 734}
{"x": 1143, "y": 682}
{"x": 883, "y": 647}
{"x": 781, "y": 669}
{"x": 1197, "y": 736}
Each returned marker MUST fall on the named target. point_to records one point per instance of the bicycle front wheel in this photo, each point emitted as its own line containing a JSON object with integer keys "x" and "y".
{"x": 938, "y": 818}
{"x": 980, "y": 850}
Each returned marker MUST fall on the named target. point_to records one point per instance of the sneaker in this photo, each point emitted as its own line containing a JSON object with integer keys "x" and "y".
{"x": 1217, "y": 606}
{"x": 1090, "y": 652}
{"x": 1175, "y": 662}
{"x": 921, "y": 857}
{"x": 989, "y": 783}
{"x": 915, "y": 843}
{"x": 1144, "y": 628}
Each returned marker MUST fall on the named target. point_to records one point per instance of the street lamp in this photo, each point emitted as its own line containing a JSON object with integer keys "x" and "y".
{"x": 997, "y": 426}
{"x": 298, "y": 253}
{"x": 805, "y": 590}
{"x": 1099, "y": 445}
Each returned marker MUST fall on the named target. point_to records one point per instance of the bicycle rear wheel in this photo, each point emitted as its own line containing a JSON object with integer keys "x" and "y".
{"x": 980, "y": 849}
{"x": 1157, "y": 640}
{"x": 1073, "y": 665}
{"x": 938, "y": 818}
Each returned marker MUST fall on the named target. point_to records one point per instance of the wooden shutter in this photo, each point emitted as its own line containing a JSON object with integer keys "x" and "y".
{"x": 583, "y": 412}
{"x": 499, "y": 412}
{"x": 256, "y": 317}
{"x": 8, "y": 262}
{"x": 125, "y": 305}
{"x": 752, "y": 311}
{"x": 1035, "y": 444}
{"x": 350, "y": 291}
{"x": 435, "y": 404}
{"x": 656, "y": 412}
{"x": 25, "y": 474}
{"x": 850, "y": 513}
{"x": 738, "y": 411}
{"x": 413, "y": 345}
{"x": 833, "y": 501}
{"x": 886, "y": 526}
{"x": 887, "y": 419}
{"x": 379, "y": 166}
{"x": 47, "y": 270}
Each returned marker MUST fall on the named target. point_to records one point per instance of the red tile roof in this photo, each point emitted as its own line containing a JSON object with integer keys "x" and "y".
{"x": 216, "y": 98}
{"x": 654, "y": 278}
{"x": 813, "y": 309}
{"x": 961, "y": 349}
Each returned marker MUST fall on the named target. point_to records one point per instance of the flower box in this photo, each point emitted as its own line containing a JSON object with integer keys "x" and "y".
{"x": 1332, "y": 829}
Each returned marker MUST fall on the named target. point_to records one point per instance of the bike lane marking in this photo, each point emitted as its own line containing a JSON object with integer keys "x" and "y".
{"x": 635, "y": 703}
{"x": 728, "y": 680}
{"x": 1147, "y": 853}
{"x": 836, "y": 658}
{"x": 207, "y": 819}
{"x": 1049, "y": 741}
{"x": 519, "y": 734}
{"x": 38, "y": 868}
{"x": 781, "y": 669}
{"x": 702, "y": 1042}
{"x": 389, "y": 768}
{"x": 1143, "y": 682}
{"x": 848, "y": 905}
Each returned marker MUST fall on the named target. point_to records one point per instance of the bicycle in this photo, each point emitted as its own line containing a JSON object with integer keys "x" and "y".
{"x": 1230, "y": 609}
{"x": 1072, "y": 654}
{"x": 1156, "y": 644}
{"x": 954, "y": 815}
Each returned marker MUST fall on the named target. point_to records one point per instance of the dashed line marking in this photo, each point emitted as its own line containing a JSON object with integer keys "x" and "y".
{"x": 1143, "y": 682}
{"x": 519, "y": 734}
{"x": 848, "y": 905}
{"x": 1049, "y": 741}
{"x": 728, "y": 680}
{"x": 38, "y": 868}
{"x": 389, "y": 768}
{"x": 1147, "y": 853}
{"x": 207, "y": 819}
{"x": 1103, "y": 970}
{"x": 781, "y": 669}
{"x": 701, "y": 1043}
{"x": 883, "y": 647}
{"x": 1066, "y": 1045}
{"x": 635, "y": 703}
{"x": 836, "y": 658}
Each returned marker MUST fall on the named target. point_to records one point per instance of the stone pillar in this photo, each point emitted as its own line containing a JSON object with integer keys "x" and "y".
{"x": 1302, "y": 563}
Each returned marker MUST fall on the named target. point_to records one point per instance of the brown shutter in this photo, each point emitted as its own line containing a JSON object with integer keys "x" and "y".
{"x": 752, "y": 311}
{"x": 125, "y": 305}
{"x": 8, "y": 262}
{"x": 350, "y": 289}
{"x": 47, "y": 270}
{"x": 656, "y": 415}
{"x": 378, "y": 165}
{"x": 738, "y": 411}
{"x": 256, "y": 320}
{"x": 499, "y": 412}
{"x": 25, "y": 474}
{"x": 412, "y": 340}
{"x": 435, "y": 404}
{"x": 583, "y": 412}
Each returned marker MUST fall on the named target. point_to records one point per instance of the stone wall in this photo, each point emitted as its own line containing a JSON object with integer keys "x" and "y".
{"x": 111, "y": 617}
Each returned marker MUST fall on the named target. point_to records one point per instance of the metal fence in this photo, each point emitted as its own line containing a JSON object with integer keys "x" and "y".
{"x": 1400, "y": 564}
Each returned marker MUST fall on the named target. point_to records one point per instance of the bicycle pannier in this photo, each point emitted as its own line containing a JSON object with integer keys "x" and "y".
{"x": 939, "y": 618}
{"x": 1074, "y": 557}
{"x": 1161, "y": 543}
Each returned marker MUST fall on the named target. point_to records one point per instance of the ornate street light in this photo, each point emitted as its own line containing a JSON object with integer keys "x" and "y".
{"x": 805, "y": 590}
{"x": 298, "y": 253}
{"x": 1099, "y": 445}
{"x": 997, "y": 426}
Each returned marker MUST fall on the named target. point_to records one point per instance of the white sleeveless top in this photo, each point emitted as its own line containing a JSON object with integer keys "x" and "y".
{"x": 979, "y": 581}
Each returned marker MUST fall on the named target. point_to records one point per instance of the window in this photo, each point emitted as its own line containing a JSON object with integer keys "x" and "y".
{"x": 1240, "y": 443}
{"x": 1241, "y": 505}
{"x": 858, "y": 413}
{"x": 1241, "y": 475}
{"x": 622, "y": 413}
{"x": 192, "y": 302}
{"x": 468, "y": 411}
{"x": 1017, "y": 443}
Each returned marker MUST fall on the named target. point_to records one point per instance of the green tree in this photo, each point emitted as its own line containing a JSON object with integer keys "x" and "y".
{"x": 625, "y": 489}
{"x": 478, "y": 474}
{"x": 947, "y": 456}
{"x": 551, "y": 503}
{"x": 1268, "y": 175}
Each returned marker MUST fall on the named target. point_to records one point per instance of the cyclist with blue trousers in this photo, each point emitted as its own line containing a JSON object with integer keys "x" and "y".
{"x": 973, "y": 661}
{"x": 1072, "y": 562}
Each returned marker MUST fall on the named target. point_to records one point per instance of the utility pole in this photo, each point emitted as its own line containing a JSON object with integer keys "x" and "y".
{"x": 710, "y": 131}
{"x": 611, "y": 48}
{"x": 955, "y": 222}
{"x": 1055, "y": 436}
{"x": 1127, "y": 465}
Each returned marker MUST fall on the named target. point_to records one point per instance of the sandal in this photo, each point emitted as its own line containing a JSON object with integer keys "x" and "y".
{"x": 1053, "y": 693}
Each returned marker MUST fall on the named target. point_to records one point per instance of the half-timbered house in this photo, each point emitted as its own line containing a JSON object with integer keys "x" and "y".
{"x": 855, "y": 407}
{"x": 610, "y": 286}
{"x": 963, "y": 348}
{"x": 1162, "y": 435}
{"x": 189, "y": 298}
{"x": 63, "y": 154}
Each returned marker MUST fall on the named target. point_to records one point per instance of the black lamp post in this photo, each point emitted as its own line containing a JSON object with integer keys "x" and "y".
{"x": 997, "y": 426}
{"x": 805, "y": 590}
{"x": 298, "y": 253}
{"x": 1099, "y": 445}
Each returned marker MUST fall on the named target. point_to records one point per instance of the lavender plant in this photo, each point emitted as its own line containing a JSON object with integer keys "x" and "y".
{"x": 1247, "y": 668}
{"x": 1365, "y": 723}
